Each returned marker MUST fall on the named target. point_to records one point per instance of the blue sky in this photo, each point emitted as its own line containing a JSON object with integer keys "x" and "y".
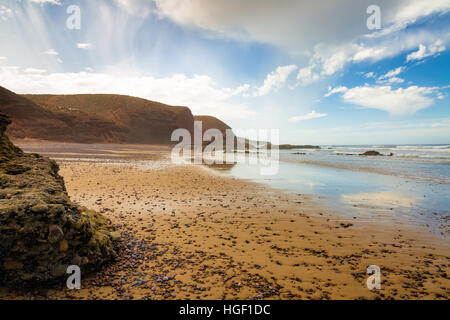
{"x": 311, "y": 69}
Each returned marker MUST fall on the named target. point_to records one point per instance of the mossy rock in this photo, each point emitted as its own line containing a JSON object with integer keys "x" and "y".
{"x": 41, "y": 230}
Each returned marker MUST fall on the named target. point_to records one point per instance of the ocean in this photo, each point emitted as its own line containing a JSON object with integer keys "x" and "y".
{"x": 409, "y": 184}
{"x": 428, "y": 162}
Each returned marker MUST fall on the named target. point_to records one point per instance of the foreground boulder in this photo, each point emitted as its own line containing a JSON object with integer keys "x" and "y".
{"x": 41, "y": 231}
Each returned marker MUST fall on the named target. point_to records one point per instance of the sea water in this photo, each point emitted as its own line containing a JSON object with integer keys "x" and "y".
{"x": 410, "y": 186}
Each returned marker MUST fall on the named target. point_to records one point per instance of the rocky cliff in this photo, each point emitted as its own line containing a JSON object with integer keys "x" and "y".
{"x": 209, "y": 122}
{"x": 41, "y": 231}
{"x": 96, "y": 118}
{"x": 108, "y": 118}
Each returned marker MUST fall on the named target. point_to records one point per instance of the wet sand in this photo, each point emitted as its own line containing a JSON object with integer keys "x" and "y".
{"x": 370, "y": 170}
{"x": 188, "y": 233}
{"x": 80, "y": 151}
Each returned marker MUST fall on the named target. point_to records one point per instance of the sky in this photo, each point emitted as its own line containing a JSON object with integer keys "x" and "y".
{"x": 322, "y": 72}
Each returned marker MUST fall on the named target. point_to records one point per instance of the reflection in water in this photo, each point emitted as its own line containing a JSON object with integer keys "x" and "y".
{"x": 225, "y": 162}
{"x": 384, "y": 199}
{"x": 217, "y": 161}
{"x": 360, "y": 194}
{"x": 225, "y": 167}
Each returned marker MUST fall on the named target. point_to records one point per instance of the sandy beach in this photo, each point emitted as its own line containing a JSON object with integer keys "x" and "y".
{"x": 221, "y": 156}
{"x": 189, "y": 233}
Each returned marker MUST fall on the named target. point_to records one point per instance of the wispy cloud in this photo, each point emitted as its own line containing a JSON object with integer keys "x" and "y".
{"x": 248, "y": 19}
{"x": 425, "y": 51}
{"x": 189, "y": 37}
{"x": 276, "y": 80}
{"x": 409, "y": 12}
{"x": 199, "y": 93}
{"x": 312, "y": 115}
{"x": 84, "y": 46}
{"x": 136, "y": 7}
{"x": 395, "y": 101}
{"x": 391, "y": 76}
{"x": 307, "y": 76}
{"x": 54, "y": 2}
{"x": 328, "y": 60}
{"x": 34, "y": 70}
{"x": 51, "y": 52}
{"x": 332, "y": 91}
{"x": 6, "y": 13}
{"x": 392, "y": 73}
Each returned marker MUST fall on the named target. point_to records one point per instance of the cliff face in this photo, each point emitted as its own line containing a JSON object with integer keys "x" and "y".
{"x": 92, "y": 118}
{"x": 209, "y": 122}
{"x": 113, "y": 118}
{"x": 30, "y": 120}
{"x": 41, "y": 231}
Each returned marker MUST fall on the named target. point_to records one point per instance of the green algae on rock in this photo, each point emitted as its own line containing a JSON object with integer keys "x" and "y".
{"x": 41, "y": 231}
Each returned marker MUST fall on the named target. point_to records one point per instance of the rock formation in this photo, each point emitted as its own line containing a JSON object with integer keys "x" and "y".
{"x": 371, "y": 153}
{"x": 92, "y": 118}
{"x": 209, "y": 122}
{"x": 41, "y": 231}
{"x": 108, "y": 118}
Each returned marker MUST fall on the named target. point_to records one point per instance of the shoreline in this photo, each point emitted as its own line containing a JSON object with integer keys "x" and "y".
{"x": 363, "y": 169}
{"x": 150, "y": 152}
{"x": 192, "y": 234}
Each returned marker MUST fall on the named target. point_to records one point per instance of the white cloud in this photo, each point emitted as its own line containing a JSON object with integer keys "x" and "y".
{"x": 276, "y": 79}
{"x": 84, "y": 45}
{"x": 344, "y": 38}
{"x": 425, "y": 51}
{"x": 417, "y": 55}
{"x": 306, "y": 76}
{"x": 136, "y": 7}
{"x": 395, "y": 101}
{"x": 312, "y": 115}
{"x": 334, "y": 63}
{"x": 413, "y": 10}
{"x": 55, "y": 2}
{"x": 332, "y": 91}
{"x": 391, "y": 76}
{"x": 361, "y": 53}
{"x": 409, "y": 12}
{"x": 295, "y": 25}
{"x": 51, "y": 52}
{"x": 241, "y": 89}
{"x": 369, "y": 75}
{"x": 392, "y": 73}
{"x": 327, "y": 60}
{"x": 34, "y": 70}
{"x": 6, "y": 13}
{"x": 395, "y": 80}
{"x": 199, "y": 92}
{"x": 3, "y": 58}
